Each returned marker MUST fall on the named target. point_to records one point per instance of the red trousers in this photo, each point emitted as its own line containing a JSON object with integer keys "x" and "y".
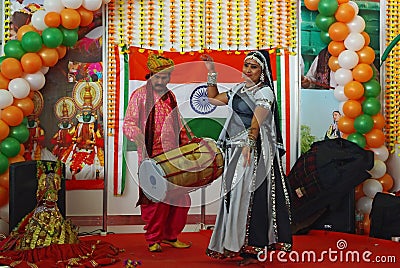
{"x": 164, "y": 221}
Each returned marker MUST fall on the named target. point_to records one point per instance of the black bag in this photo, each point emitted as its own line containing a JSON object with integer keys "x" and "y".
{"x": 385, "y": 216}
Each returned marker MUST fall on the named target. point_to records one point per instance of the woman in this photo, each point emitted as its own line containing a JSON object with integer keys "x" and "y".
{"x": 254, "y": 215}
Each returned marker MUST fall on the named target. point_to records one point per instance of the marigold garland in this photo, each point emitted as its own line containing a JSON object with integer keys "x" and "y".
{"x": 161, "y": 25}
{"x": 7, "y": 21}
{"x": 270, "y": 24}
{"x": 246, "y": 23}
{"x": 141, "y": 23}
{"x": 172, "y": 21}
{"x": 237, "y": 24}
{"x": 130, "y": 22}
{"x": 192, "y": 24}
{"x": 229, "y": 19}
{"x": 111, "y": 69}
{"x": 150, "y": 22}
{"x": 121, "y": 23}
{"x": 209, "y": 19}
{"x": 182, "y": 21}
{"x": 201, "y": 24}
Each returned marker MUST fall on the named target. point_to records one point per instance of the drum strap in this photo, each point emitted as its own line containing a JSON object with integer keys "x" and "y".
{"x": 189, "y": 132}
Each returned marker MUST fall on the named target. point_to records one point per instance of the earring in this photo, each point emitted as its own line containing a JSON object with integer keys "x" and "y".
{"x": 262, "y": 77}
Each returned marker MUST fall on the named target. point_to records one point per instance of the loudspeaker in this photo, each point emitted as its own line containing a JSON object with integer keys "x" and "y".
{"x": 22, "y": 190}
{"x": 339, "y": 217}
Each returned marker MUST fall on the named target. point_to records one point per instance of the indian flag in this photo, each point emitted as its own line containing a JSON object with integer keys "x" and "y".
{"x": 188, "y": 83}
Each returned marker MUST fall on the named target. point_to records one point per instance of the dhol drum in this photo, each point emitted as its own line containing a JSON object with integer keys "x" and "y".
{"x": 181, "y": 170}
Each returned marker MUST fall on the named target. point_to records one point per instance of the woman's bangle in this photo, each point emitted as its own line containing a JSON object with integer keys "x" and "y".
{"x": 252, "y": 136}
{"x": 212, "y": 79}
{"x": 252, "y": 143}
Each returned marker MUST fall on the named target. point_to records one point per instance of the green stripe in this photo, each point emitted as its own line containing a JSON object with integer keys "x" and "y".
{"x": 279, "y": 82}
{"x": 206, "y": 127}
{"x": 126, "y": 100}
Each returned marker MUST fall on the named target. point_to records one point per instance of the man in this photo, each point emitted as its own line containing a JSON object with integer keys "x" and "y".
{"x": 333, "y": 131}
{"x": 152, "y": 121}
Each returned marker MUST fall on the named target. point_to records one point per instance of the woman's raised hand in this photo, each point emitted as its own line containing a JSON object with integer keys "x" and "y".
{"x": 209, "y": 61}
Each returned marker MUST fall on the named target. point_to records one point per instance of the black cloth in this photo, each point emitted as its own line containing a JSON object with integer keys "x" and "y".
{"x": 385, "y": 216}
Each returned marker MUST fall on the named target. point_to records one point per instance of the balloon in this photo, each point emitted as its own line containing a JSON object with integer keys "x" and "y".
{"x": 371, "y": 187}
{"x": 6, "y": 98}
{"x": 346, "y": 124}
{"x": 11, "y": 68}
{"x": 49, "y": 56}
{"x": 19, "y": 88}
{"x": 357, "y": 138}
{"x": 348, "y": 59}
{"x": 336, "y": 47}
{"x": 86, "y": 16}
{"x": 354, "y": 90}
{"x": 343, "y": 76}
{"x": 13, "y": 49}
{"x": 362, "y": 72}
{"x": 25, "y": 104}
{"x": 70, "y": 37}
{"x": 352, "y": 108}
{"x": 381, "y": 153}
{"x": 12, "y": 115}
{"x": 23, "y": 30}
{"x": 92, "y": 5}
{"x": 354, "y": 41}
{"x": 20, "y": 133}
{"x": 371, "y": 106}
{"x": 3, "y": 201}
{"x": 15, "y": 159}
{"x": 74, "y": 4}
{"x": 366, "y": 38}
{"x": 3, "y": 81}
{"x": 37, "y": 19}
{"x": 311, "y": 4}
{"x": 36, "y": 80}
{"x": 367, "y": 224}
{"x": 338, "y": 31}
{"x": 70, "y": 18}
{"x": 4, "y": 130}
{"x": 338, "y": 93}
{"x": 10, "y": 147}
{"x": 389, "y": 48}
{"x": 386, "y": 181}
{"x": 363, "y": 123}
{"x": 62, "y": 51}
{"x": 372, "y": 88}
{"x": 52, "y": 19}
{"x": 364, "y": 204}
{"x": 5, "y": 179}
{"x": 52, "y": 37}
{"x": 356, "y": 25}
{"x": 31, "y": 62}
{"x": 355, "y": 6}
{"x": 333, "y": 63}
{"x": 325, "y": 38}
{"x": 366, "y": 55}
{"x": 44, "y": 69}
{"x": 375, "y": 138}
{"x": 358, "y": 191}
{"x": 379, "y": 121}
{"x": 345, "y": 13}
{"x": 323, "y": 22}
{"x": 31, "y": 41}
{"x": 327, "y": 7}
{"x": 106, "y": 1}
{"x": 53, "y": 5}
{"x": 378, "y": 170}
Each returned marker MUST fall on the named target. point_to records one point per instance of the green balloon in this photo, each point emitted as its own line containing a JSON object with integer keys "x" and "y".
{"x": 31, "y": 41}
{"x": 358, "y": 139}
{"x": 363, "y": 123}
{"x": 13, "y": 49}
{"x": 328, "y": 7}
{"x": 52, "y": 37}
{"x": 372, "y": 88}
{"x": 325, "y": 37}
{"x": 323, "y": 22}
{"x": 10, "y": 147}
{"x": 20, "y": 133}
{"x": 70, "y": 37}
{"x": 371, "y": 106}
{"x": 3, "y": 163}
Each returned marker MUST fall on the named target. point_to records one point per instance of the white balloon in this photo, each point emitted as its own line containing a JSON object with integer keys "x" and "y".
{"x": 73, "y": 4}
{"x": 343, "y": 76}
{"x": 354, "y": 41}
{"x": 381, "y": 153}
{"x": 44, "y": 69}
{"x": 37, "y": 20}
{"x": 393, "y": 164}
{"x": 5, "y": 212}
{"x": 6, "y": 98}
{"x": 338, "y": 93}
{"x": 341, "y": 106}
{"x": 19, "y": 88}
{"x": 106, "y": 1}
{"x": 4, "y": 226}
{"x": 355, "y": 6}
{"x": 378, "y": 170}
{"x": 36, "y": 80}
{"x": 92, "y": 5}
{"x": 371, "y": 187}
{"x": 357, "y": 24}
{"x": 53, "y": 5}
{"x": 348, "y": 59}
{"x": 364, "y": 204}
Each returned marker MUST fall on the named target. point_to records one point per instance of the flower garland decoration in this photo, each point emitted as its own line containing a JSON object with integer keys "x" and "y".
{"x": 237, "y": 24}
{"x": 192, "y": 24}
{"x": 121, "y": 23}
{"x": 130, "y": 25}
{"x": 229, "y": 20}
{"x": 172, "y": 26}
{"x": 182, "y": 21}
{"x": 7, "y": 22}
{"x": 161, "y": 25}
{"x": 246, "y": 23}
{"x": 291, "y": 28}
{"x": 278, "y": 24}
{"x": 150, "y": 22}
{"x": 209, "y": 18}
{"x": 261, "y": 24}
{"x": 270, "y": 24}
{"x": 219, "y": 27}
{"x": 111, "y": 69}
{"x": 201, "y": 24}
{"x": 141, "y": 23}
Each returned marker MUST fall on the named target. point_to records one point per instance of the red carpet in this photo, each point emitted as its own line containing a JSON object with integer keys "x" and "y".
{"x": 317, "y": 249}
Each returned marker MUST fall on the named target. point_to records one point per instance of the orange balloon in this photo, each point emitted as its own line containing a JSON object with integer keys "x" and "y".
{"x": 352, "y": 108}
{"x": 5, "y": 179}
{"x": 24, "y": 29}
{"x": 375, "y": 138}
{"x": 15, "y": 159}
{"x": 379, "y": 121}
{"x": 4, "y": 130}
{"x": 358, "y": 191}
{"x": 70, "y": 18}
{"x": 345, "y": 13}
{"x": 31, "y": 63}
{"x": 336, "y": 47}
{"x": 386, "y": 181}
{"x": 12, "y": 115}
{"x": 11, "y": 68}
{"x": 22, "y": 150}
{"x": 354, "y": 90}
{"x": 345, "y": 135}
{"x": 333, "y": 63}
{"x": 311, "y": 4}
{"x": 3, "y": 196}
{"x": 367, "y": 224}
{"x": 342, "y": 1}
{"x": 362, "y": 72}
{"x": 61, "y": 50}
{"x": 4, "y": 81}
{"x": 366, "y": 55}
{"x": 366, "y": 38}
{"x": 346, "y": 124}
{"x": 86, "y": 16}
{"x": 338, "y": 31}
{"x": 52, "y": 19}
{"x": 49, "y": 56}
{"x": 26, "y": 105}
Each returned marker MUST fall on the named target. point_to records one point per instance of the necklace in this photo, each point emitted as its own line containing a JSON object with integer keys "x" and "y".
{"x": 244, "y": 88}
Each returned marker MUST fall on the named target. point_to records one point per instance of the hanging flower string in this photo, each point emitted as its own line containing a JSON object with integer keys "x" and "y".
{"x": 7, "y": 21}
{"x": 219, "y": 27}
{"x": 182, "y": 23}
{"x": 172, "y": 24}
{"x": 141, "y": 23}
{"x": 130, "y": 24}
{"x": 278, "y": 23}
{"x": 209, "y": 19}
{"x": 192, "y": 24}
{"x": 229, "y": 20}
{"x": 150, "y": 22}
{"x": 161, "y": 25}
{"x": 246, "y": 23}
{"x": 260, "y": 22}
{"x": 111, "y": 69}
{"x": 237, "y": 24}
{"x": 270, "y": 24}
{"x": 121, "y": 23}
{"x": 291, "y": 28}
{"x": 201, "y": 24}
